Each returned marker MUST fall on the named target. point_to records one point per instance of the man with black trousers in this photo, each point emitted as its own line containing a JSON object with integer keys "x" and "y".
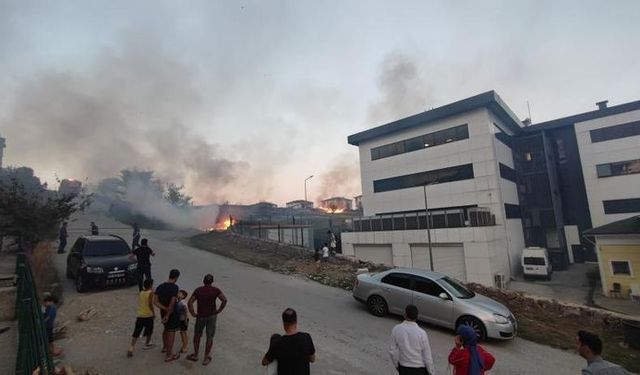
{"x": 143, "y": 253}
{"x": 294, "y": 350}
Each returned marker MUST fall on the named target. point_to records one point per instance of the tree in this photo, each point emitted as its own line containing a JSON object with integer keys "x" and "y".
{"x": 28, "y": 211}
{"x": 176, "y": 197}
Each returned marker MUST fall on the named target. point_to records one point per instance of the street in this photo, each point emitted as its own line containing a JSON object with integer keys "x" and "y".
{"x": 348, "y": 339}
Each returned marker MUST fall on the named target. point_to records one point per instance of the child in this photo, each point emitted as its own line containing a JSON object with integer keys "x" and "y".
{"x": 184, "y": 319}
{"x": 50, "y": 312}
{"x": 145, "y": 317}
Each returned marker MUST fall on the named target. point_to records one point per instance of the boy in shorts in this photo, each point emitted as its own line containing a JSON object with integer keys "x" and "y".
{"x": 184, "y": 319}
{"x": 144, "y": 317}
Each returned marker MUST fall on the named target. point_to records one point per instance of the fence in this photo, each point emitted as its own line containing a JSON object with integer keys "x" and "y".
{"x": 297, "y": 235}
{"x": 33, "y": 346}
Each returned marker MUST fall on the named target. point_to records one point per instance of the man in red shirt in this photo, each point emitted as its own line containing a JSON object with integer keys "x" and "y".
{"x": 206, "y": 297}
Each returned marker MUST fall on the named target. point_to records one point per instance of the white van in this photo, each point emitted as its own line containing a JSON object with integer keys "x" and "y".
{"x": 536, "y": 263}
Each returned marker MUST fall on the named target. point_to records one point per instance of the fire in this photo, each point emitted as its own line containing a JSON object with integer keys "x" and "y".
{"x": 224, "y": 225}
{"x": 332, "y": 210}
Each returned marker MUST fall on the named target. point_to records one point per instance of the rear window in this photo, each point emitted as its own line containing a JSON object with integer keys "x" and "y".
{"x": 534, "y": 261}
{"x": 106, "y": 248}
{"x": 397, "y": 279}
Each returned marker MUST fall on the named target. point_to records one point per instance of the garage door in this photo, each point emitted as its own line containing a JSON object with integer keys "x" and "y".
{"x": 447, "y": 259}
{"x": 379, "y": 254}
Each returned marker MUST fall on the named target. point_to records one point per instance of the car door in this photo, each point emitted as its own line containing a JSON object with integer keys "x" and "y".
{"x": 431, "y": 307}
{"x": 75, "y": 257}
{"x": 397, "y": 291}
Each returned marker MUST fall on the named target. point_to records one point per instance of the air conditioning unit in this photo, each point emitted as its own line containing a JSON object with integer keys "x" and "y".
{"x": 500, "y": 281}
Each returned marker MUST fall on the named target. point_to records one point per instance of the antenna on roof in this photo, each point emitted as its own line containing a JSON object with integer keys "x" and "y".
{"x": 529, "y": 109}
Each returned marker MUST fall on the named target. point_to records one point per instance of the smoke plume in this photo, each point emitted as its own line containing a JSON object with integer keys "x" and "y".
{"x": 341, "y": 179}
{"x": 403, "y": 90}
{"x": 131, "y": 108}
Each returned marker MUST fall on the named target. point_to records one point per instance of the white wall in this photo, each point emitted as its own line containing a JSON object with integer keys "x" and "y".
{"x": 592, "y": 154}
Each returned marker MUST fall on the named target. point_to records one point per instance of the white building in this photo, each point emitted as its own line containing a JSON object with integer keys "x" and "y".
{"x": 454, "y": 149}
{"x": 493, "y": 186}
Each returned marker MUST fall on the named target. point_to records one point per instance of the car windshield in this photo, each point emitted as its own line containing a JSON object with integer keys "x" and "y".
{"x": 106, "y": 248}
{"x": 456, "y": 288}
{"x": 534, "y": 261}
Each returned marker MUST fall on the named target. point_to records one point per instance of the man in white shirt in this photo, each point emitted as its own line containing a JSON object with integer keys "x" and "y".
{"x": 410, "y": 350}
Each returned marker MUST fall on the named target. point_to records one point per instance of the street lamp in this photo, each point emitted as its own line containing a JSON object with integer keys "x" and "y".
{"x": 305, "y": 187}
{"x": 426, "y": 210}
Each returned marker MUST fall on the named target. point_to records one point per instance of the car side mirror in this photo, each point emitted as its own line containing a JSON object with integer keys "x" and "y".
{"x": 444, "y": 296}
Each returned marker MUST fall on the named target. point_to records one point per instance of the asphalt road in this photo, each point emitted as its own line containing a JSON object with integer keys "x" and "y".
{"x": 348, "y": 340}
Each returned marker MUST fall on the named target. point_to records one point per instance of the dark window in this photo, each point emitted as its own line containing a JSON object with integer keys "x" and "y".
{"x": 106, "y": 248}
{"x": 512, "y": 211}
{"x": 615, "y": 132}
{"x": 78, "y": 246}
{"x": 620, "y": 168}
{"x": 562, "y": 153}
{"x": 508, "y": 173}
{"x": 455, "y": 220}
{"x": 427, "y": 286}
{"x": 386, "y": 224}
{"x": 366, "y": 225}
{"x": 534, "y": 261}
{"x": 397, "y": 279}
{"x": 376, "y": 224}
{"x": 458, "y": 173}
{"x": 621, "y": 206}
{"x": 412, "y": 222}
{"x": 398, "y": 223}
{"x": 417, "y": 143}
{"x": 620, "y": 267}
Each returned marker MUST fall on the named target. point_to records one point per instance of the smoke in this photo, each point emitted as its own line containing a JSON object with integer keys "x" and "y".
{"x": 135, "y": 107}
{"x": 403, "y": 90}
{"x": 341, "y": 179}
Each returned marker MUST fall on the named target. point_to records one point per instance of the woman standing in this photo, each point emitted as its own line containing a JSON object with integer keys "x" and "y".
{"x": 469, "y": 358}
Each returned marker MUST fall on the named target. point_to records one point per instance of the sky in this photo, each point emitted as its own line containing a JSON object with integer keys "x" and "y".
{"x": 240, "y": 101}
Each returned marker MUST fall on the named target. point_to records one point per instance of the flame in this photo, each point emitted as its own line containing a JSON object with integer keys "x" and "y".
{"x": 224, "y": 225}
{"x": 332, "y": 210}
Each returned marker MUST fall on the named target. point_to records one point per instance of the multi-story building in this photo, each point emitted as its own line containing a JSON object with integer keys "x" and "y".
{"x": 300, "y": 204}
{"x": 492, "y": 186}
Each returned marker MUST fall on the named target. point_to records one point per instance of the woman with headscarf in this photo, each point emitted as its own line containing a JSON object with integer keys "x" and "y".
{"x": 469, "y": 358}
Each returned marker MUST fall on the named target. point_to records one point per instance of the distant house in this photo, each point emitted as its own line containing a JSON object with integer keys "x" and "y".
{"x": 337, "y": 204}
{"x": 618, "y": 250}
{"x": 358, "y": 202}
{"x": 300, "y": 204}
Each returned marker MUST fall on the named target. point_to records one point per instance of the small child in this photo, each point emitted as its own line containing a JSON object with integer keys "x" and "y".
{"x": 145, "y": 317}
{"x": 50, "y": 312}
{"x": 184, "y": 319}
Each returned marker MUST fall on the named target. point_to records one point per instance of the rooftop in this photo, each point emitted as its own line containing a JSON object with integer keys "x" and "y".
{"x": 626, "y": 226}
{"x": 489, "y": 99}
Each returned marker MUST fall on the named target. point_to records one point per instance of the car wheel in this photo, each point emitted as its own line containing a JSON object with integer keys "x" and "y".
{"x": 475, "y": 324}
{"x": 377, "y": 306}
{"x": 81, "y": 285}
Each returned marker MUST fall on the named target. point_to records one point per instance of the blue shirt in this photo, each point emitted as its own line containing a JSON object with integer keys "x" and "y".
{"x": 50, "y": 312}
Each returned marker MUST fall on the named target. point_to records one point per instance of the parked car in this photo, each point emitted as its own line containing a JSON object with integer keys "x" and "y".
{"x": 536, "y": 263}
{"x": 441, "y": 300}
{"x": 101, "y": 261}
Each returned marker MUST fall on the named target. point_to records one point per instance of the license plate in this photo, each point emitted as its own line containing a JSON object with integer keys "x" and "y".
{"x": 115, "y": 276}
{"x": 529, "y": 268}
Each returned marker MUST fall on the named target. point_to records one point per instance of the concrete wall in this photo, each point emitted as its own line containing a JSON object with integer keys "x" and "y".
{"x": 592, "y": 154}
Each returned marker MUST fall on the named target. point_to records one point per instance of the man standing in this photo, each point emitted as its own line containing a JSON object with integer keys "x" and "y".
{"x": 62, "y": 237}
{"x": 590, "y": 348}
{"x": 325, "y": 252}
{"x": 94, "y": 229}
{"x": 136, "y": 236}
{"x": 294, "y": 351}
{"x": 165, "y": 299}
{"x": 410, "y": 350}
{"x": 206, "y": 316}
{"x": 143, "y": 254}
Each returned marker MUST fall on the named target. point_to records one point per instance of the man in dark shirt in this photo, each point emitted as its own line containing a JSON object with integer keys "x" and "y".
{"x": 206, "y": 316}
{"x": 165, "y": 299}
{"x": 94, "y": 229}
{"x": 63, "y": 238}
{"x": 143, "y": 255}
{"x": 294, "y": 350}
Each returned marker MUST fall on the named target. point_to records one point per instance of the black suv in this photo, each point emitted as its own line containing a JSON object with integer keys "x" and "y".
{"x": 101, "y": 261}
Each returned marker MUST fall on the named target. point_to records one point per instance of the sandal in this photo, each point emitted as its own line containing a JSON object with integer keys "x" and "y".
{"x": 192, "y": 357}
{"x": 172, "y": 358}
{"x": 207, "y": 360}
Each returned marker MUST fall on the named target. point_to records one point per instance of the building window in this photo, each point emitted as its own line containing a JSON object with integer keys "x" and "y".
{"x": 620, "y": 168}
{"x": 457, "y": 173}
{"x": 615, "y": 132}
{"x": 621, "y": 206}
{"x": 562, "y": 152}
{"x": 512, "y": 211}
{"x": 621, "y": 267}
{"x": 418, "y": 143}
{"x": 508, "y": 173}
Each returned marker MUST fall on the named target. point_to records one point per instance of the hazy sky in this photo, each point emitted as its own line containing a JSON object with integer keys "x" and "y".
{"x": 241, "y": 100}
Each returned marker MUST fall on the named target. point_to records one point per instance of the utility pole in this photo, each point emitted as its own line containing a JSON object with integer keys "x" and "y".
{"x": 426, "y": 210}
{"x": 305, "y": 187}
